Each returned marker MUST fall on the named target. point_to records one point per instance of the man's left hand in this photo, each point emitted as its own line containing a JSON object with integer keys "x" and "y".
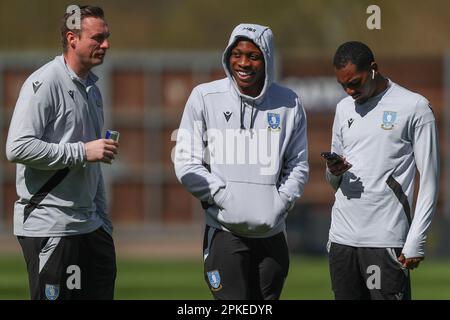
{"x": 410, "y": 263}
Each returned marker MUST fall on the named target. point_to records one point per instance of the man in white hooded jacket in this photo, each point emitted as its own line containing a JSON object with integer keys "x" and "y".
{"x": 242, "y": 150}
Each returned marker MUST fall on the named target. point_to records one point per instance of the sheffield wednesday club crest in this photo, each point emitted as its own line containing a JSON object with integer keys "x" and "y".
{"x": 389, "y": 118}
{"x": 52, "y": 291}
{"x": 214, "y": 280}
{"x": 273, "y": 119}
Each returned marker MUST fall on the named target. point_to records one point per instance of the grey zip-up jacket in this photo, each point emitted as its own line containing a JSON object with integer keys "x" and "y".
{"x": 244, "y": 157}
{"x": 56, "y": 113}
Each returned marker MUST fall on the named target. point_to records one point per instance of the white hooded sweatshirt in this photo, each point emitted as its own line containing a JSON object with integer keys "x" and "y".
{"x": 244, "y": 157}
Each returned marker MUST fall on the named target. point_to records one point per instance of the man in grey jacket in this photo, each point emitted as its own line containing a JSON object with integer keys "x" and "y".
{"x": 60, "y": 218}
{"x": 384, "y": 132}
{"x": 242, "y": 150}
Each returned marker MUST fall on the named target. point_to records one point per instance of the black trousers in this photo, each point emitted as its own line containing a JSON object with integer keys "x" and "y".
{"x": 70, "y": 267}
{"x": 238, "y": 268}
{"x": 368, "y": 273}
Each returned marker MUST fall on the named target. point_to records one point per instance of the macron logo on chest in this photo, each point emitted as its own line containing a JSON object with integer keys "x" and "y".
{"x": 350, "y": 122}
{"x": 227, "y": 115}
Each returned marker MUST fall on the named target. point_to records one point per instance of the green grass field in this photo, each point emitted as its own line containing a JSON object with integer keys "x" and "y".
{"x": 183, "y": 280}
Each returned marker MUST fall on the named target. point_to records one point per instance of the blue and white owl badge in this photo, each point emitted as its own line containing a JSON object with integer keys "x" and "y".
{"x": 51, "y": 291}
{"x": 389, "y": 118}
{"x": 214, "y": 280}
{"x": 274, "y": 120}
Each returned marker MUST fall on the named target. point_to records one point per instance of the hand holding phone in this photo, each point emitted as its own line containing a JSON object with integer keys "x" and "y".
{"x": 332, "y": 157}
{"x": 336, "y": 163}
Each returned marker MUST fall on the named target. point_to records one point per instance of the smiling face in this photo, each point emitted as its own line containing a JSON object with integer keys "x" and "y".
{"x": 247, "y": 67}
{"x": 361, "y": 85}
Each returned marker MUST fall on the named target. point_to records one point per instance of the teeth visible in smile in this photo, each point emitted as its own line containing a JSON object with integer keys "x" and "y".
{"x": 241, "y": 73}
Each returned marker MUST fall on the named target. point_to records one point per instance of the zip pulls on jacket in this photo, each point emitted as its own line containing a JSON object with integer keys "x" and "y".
{"x": 252, "y": 116}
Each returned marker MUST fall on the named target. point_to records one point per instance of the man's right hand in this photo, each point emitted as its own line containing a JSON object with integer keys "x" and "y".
{"x": 338, "y": 168}
{"x": 103, "y": 150}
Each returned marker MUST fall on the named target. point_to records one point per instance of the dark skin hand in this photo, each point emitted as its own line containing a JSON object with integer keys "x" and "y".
{"x": 410, "y": 263}
{"x": 338, "y": 168}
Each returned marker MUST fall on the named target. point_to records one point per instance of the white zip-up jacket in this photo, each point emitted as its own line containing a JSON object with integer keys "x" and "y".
{"x": 55, "y": 114}
{"x": 244, "y": 157}
{"x": 385, "y": 139}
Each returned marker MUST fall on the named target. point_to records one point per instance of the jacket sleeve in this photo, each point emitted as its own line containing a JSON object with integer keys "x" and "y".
{"x": 101, "y": 206}
{"x": 295, "y": 170}
{"x": 26, "y": 142}
{"x": 336, "y": 146}
{"x": 190, "y": 163}
{"x": 426, "y": 155}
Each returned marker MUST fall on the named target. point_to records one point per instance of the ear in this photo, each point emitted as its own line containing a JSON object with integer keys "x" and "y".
{"x": 374, "y": 66}
{"x": 72, "y": 39}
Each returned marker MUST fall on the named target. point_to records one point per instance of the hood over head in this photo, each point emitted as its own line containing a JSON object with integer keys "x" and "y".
{"x": 262, "y": 37}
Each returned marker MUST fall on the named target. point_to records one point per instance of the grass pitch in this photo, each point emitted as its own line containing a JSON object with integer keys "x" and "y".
{"x": 150, "y": 279}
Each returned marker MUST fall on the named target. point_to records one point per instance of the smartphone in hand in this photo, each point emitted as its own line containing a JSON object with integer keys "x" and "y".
{"x": 332, "y": 157}
{"x": 335, "y": 163}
